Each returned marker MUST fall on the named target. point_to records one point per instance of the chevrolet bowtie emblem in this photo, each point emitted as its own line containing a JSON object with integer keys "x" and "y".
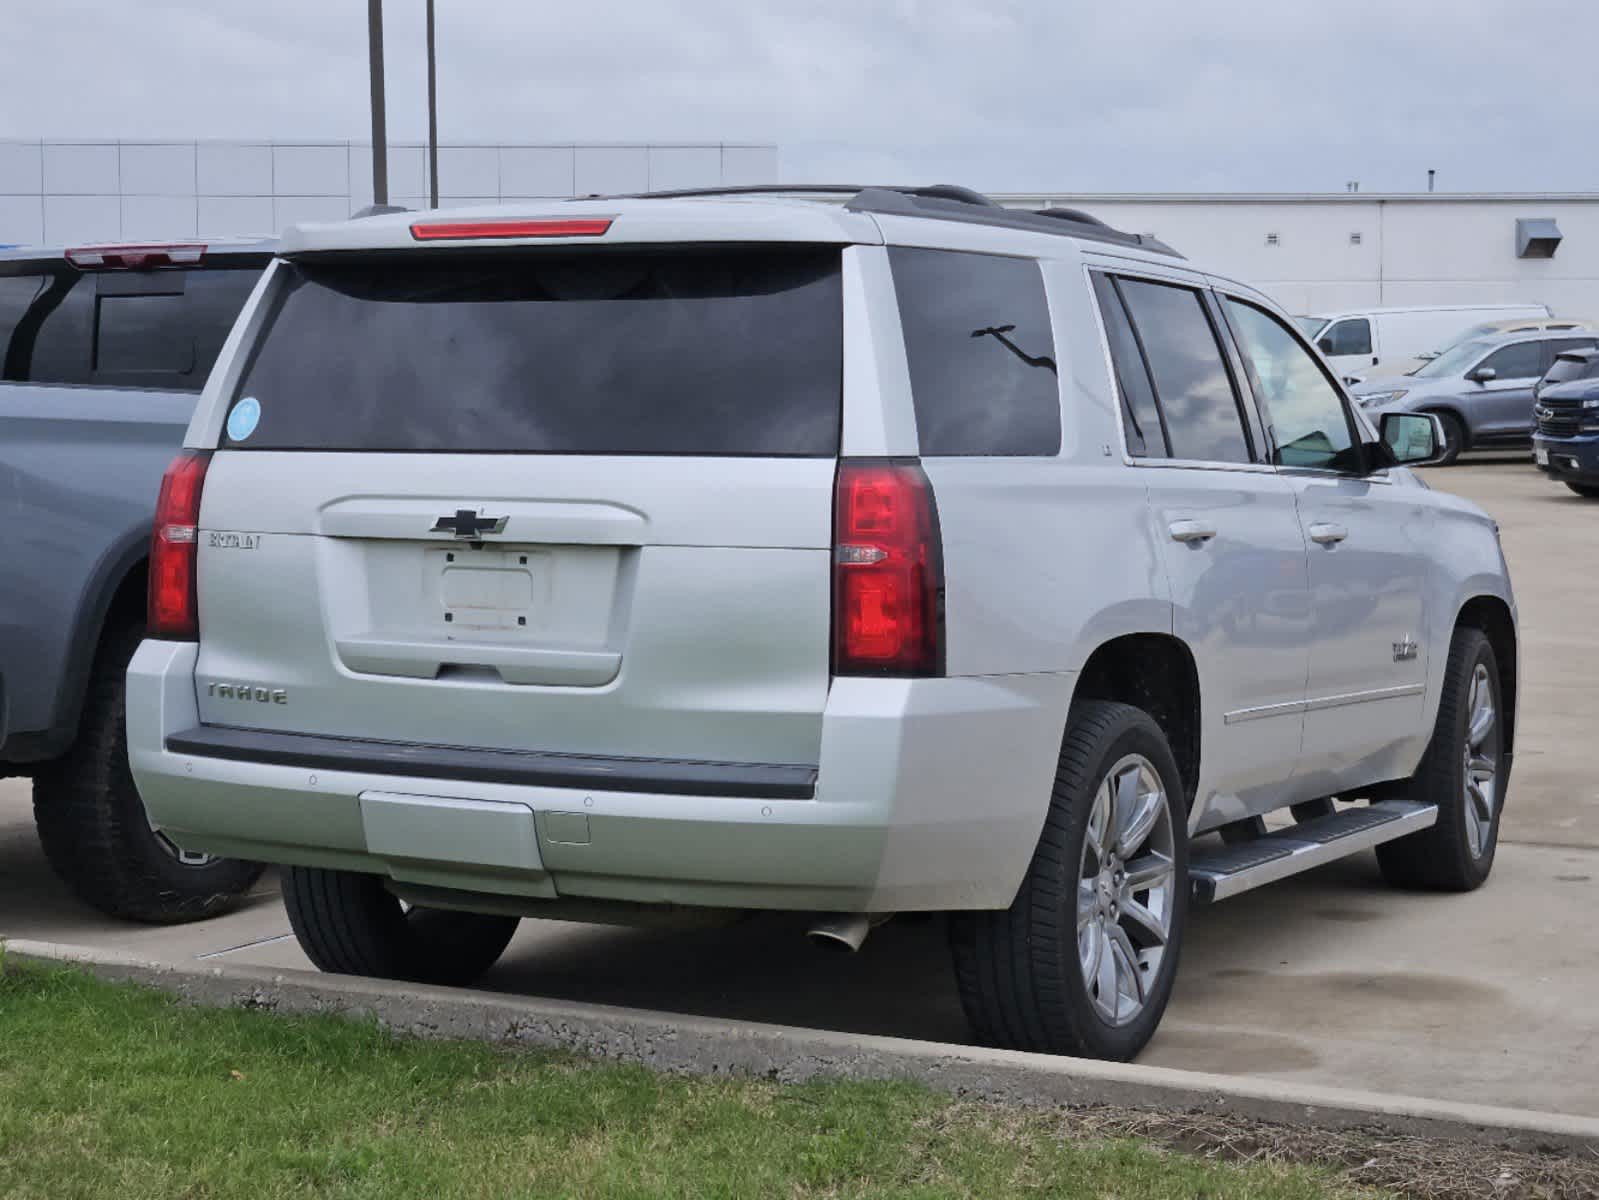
{"x": 468, "y": 524}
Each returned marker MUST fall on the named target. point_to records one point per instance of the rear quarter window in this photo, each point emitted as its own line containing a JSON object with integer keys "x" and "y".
{"x": 981, "y": 352}
{"x": 543, "y": 352}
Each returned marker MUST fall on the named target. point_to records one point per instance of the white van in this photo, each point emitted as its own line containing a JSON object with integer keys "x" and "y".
{"x": 1390, "y": 341}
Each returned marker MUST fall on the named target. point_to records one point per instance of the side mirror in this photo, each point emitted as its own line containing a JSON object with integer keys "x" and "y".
{"x": 1414, "y": 439}
{"x": 1483, "y": 375}
{"x": 1324, "y": 345}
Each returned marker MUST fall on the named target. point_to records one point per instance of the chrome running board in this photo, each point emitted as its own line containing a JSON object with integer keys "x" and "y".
{"x": 1227, "y": 870}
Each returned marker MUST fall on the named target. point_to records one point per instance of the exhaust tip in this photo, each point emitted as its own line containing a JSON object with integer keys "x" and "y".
{"x": 839, "y": 932}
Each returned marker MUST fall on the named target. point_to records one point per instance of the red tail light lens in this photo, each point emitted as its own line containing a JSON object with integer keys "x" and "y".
{"x": 432, "y": 231}
{"x": 134, "y": 258}
{"x": 174, "y": 601}
{"x": 888, "y": 572}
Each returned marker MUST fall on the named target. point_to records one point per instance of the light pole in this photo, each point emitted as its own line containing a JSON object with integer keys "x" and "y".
{"x": 433, "y": 117}
{"x": 380, "y": 137}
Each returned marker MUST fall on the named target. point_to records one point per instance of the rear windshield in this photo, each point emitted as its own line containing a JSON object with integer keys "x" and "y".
{"x": 1566, "y": 369}
{"x": 703, "y": 353}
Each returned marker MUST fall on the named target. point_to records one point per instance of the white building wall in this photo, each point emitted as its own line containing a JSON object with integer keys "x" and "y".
{"x": 1412, "y": 249}
{"x": 55, "y": 192}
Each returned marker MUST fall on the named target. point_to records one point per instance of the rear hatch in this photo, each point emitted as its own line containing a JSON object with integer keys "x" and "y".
{"x": 533, "y": 499}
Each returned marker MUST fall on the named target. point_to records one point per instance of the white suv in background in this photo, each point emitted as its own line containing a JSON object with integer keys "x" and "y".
{"x": 735, "y": 552}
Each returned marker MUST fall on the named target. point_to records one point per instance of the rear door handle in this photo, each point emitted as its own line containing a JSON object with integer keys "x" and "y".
{"x": 1191, "y": 531}
{"x": 1328, "y": 534}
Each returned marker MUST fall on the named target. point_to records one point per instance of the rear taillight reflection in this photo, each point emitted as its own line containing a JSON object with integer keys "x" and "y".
{"x": 174, "y": 602}
{"x": 887, "y": 572}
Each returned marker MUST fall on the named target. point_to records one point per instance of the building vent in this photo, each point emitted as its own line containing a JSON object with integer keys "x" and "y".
{"x": 1272, "y": 239}
{"x": 1537, "y": 237}
{"x": 1354, "y": 239}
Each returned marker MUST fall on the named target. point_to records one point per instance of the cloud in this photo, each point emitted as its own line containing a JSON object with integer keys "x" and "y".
{"x": 1007, "y": 95}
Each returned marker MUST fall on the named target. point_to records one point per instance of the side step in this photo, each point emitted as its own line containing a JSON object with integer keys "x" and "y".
{"x": 1228, "y": 870}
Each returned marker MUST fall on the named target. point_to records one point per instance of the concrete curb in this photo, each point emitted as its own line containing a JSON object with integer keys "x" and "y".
{"x": 700, "y": 1045}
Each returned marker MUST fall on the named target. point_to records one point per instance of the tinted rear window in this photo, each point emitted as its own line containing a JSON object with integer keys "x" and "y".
{"x": 721, "y": 353}
{"x": 982, "y": 356}
{"x": 161, "y": 329}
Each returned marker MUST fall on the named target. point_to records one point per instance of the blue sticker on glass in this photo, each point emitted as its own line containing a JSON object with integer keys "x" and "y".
{"x": 246, "y": 415}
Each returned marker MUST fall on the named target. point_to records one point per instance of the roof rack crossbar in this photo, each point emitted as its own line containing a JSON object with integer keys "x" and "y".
{"x": 943, "y": 201}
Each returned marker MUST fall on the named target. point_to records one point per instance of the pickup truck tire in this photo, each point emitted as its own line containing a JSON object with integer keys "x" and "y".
{"x": 350, "y": 924}
{"x": 93, "y": 826}
{"x": 1024, "y": 973}
{"x": 1588, "y": 490}
{"x": 1457, "y": 853}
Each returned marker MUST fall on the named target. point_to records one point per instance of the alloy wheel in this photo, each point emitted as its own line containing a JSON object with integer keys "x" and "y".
{"x": 1481, "y": 762}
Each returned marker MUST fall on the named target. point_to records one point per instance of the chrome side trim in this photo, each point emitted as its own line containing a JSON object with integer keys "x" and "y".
{"x": 1389, "y": 693}
{"x": 1291, "y": 708}
{"x": 1322, "y": 702}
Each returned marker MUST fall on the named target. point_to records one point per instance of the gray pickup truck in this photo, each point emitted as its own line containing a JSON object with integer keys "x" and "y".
{"x": 103, "y": 350}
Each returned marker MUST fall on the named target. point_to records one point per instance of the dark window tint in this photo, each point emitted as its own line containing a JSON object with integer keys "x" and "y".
{"x": 1554, "y": 347}
{"x": 1351, "y": 336}
{"x": 1191, "y": 378}
{"x": 982, "y": 357}
{"x": 1567, "y": 369}
{"x": 118, "y": 329}
{"x": 600, "y": 353}
{"x": 16, "y": 294}
{"x": 1309, "y": 424}
{"x": 1145, "y": 438}
{"x": 1520, "y": 360}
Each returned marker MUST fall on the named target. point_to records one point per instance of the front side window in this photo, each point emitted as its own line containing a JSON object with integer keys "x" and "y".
{"x": 980, "y": 350}
{"x": 1310, "y": 426}
{"x": 1520, "y": 360}
{"x": 1352, "y": 336}
{"x": 1192, "y": 382}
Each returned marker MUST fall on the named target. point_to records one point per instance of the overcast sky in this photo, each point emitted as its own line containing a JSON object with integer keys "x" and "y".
{"x": 1003, "y": 95}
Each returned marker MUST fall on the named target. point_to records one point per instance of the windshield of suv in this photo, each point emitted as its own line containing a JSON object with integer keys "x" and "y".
{"x": 1453, "y": 361}
{"x": 1311, "y": 326}
{"x": 722, "y": 352}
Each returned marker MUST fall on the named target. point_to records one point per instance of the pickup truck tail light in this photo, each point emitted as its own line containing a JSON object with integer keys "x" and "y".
{"x": 174, "y": 597}
{"x": 888, "y": 571}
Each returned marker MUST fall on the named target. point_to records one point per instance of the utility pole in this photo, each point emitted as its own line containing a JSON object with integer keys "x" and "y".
{"x": 433, "y": 117}
{"x": 380, "y": 136}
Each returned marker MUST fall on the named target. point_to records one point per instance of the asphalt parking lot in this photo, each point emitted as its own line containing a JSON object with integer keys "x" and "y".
{"x": 1330, "y": 979}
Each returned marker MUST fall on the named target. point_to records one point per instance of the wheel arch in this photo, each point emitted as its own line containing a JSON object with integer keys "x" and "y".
{"x": 1155, "y": 672}
{"x": 1445, "y": 409}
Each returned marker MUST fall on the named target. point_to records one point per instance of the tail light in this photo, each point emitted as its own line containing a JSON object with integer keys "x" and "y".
{"x": 888, "y": 571}
{"x": 174, "y": 600}
{"x": 134, "y": 258}
{"x": 544, "y": 227}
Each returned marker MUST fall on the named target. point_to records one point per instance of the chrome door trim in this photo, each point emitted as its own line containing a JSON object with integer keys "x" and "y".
{"x": 1322, "y": 702}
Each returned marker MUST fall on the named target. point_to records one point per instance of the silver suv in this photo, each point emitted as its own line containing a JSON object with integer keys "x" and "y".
{"x": 753, "y": 552}
{"x": 1481, "y": 389}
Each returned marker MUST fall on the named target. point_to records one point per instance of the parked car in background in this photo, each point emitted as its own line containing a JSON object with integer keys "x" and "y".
{"x": 1565, "y": 444}
{"x": 104, "y": 349}
{"x": 1481, "y": 390}
{"x": 1369, "y": 342}
{"x": 754, "y": 576}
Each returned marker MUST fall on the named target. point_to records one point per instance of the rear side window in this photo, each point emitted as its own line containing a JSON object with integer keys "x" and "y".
{"x": 1144, "y": 434}
{"x": 1192, "y": 383}
{"x": 981, "y": 352}
{"x": 720, "y": 353}
{"x": 114, "y": 329}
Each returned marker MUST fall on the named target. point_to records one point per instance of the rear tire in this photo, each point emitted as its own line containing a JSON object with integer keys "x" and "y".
{"x": 1588, "y": 490}
{"x": 1457, "y": 853}
{"x": 93, "y": 826}
{"x": 350, "y": 924}
{"x": 1033, "y": 976}
{"x": 1454, "y": 438}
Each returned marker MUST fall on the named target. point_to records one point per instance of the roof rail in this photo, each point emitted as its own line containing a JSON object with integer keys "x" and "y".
{"x": 940, "y": 202}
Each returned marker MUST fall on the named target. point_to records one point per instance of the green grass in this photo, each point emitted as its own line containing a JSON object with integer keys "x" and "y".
{"x": 117, "y": 1092}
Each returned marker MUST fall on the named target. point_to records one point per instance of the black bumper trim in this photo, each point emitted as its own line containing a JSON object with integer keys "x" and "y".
{"x": 533, "y": 768}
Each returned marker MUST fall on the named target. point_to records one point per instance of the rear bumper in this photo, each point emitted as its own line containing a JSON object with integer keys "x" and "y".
{"x": 1573, "y": 458}
{"x": 928, "y": 794}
